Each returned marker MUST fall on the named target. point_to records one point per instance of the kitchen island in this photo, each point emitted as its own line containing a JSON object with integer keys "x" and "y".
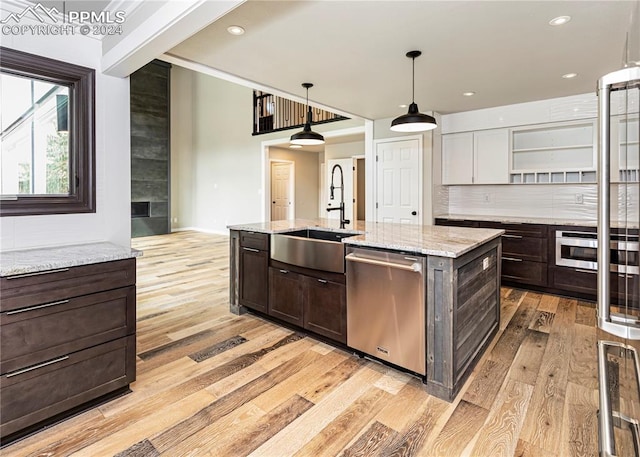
{"x": 459, "y": 280}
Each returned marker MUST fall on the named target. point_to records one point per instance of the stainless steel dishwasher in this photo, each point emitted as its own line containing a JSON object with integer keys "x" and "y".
{"x": 386, "y": 306}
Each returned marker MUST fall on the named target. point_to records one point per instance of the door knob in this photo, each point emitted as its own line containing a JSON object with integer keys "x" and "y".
{"x": 273, "y": 203}
{"x": 414, "y": 213}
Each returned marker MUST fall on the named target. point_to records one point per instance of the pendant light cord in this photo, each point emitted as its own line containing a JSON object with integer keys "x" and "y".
{"x": 413, "y": 80}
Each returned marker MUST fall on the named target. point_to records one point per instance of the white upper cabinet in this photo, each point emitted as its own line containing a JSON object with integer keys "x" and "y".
{"x": 491, "y": 156}
{"x": 476, "y": 157}
{"x": 457, "y": 158}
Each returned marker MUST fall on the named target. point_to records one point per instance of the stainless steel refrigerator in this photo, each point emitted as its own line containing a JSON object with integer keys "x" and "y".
{"x": 618, "y": 307}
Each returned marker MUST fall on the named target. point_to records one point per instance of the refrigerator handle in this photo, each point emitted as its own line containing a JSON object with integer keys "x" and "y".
{"x": 607, "y": 417}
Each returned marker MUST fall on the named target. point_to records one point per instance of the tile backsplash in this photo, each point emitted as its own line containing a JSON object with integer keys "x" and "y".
{"x": 552, "y": 201}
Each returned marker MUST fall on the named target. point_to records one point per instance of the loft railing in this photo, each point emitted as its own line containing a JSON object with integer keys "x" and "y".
{"x": 272, "y": 114}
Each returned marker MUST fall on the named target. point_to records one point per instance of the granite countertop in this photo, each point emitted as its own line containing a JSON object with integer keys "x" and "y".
{"x": 427, "y": 239}
{"x": 535, "y": 220}
{"x": 52, "y": 258}
{"x": 521, "y": 220}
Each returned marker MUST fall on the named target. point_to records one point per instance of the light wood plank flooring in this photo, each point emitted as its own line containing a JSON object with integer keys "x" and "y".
{"x": 213, "y": 383}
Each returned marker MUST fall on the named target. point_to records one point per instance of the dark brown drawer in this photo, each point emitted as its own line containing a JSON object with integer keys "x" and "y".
{"x": 574, "y": 280}
{"x": 49, "y": 286}
{"x": 524, "y": 271}
{"x": 31, "y": 335}
{"x": 456, "y": 222}
{"x": 523, "y": 230}
{"x": 525, "y": 247}
{"x": 254, "y": 240}
{"x": 32, "y": 395}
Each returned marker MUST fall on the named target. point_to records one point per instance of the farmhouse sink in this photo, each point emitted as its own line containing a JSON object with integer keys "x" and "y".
{"x": 315, "y": 249}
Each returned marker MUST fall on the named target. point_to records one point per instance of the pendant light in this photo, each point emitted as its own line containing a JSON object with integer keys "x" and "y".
{"x": 307, "y": 137}
{"x": 414, "y": 120}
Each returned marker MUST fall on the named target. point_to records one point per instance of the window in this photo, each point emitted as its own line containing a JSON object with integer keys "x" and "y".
{"x": 47, "y": 143}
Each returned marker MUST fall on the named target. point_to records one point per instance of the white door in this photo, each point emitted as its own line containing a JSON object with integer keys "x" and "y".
{"x": 281, "y": 191}
{"x": 346, "y": 165}
{"x": 399, "y": 181}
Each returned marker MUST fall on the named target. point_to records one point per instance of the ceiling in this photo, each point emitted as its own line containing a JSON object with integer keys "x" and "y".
{"x": 354, "y": 51}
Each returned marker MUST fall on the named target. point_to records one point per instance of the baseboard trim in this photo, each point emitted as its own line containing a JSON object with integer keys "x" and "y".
{"x": 203, "y": 230}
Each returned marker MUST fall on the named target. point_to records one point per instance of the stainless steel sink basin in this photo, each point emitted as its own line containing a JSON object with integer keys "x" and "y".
{"x": 316, "y": 249}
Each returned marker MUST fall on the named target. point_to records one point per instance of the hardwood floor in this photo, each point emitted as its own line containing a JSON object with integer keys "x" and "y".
{"x": 212, "y": 383}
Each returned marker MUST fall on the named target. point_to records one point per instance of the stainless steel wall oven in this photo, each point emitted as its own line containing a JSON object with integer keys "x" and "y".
{"x": 580, "y": 250}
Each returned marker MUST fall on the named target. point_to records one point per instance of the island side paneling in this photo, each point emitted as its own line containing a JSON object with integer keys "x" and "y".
{"x": 463, "y": 314}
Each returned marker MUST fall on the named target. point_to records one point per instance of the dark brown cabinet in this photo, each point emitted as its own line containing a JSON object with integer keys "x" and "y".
{"x": 524, "y": 250}
{"x": 314, "y": 303}
{"x": 286, "y": 295}
{"x": 67, "y": 338}
{"x": 325, "y": 308}
{"x": 254, "y": 271}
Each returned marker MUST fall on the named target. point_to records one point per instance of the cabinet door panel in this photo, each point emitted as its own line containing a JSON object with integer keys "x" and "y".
{"x": 524, "y": 271}
{"x": 457, "y": 158}
{"x": 491, "y": 156}
{"x": 524, "y": 247}
{"x": 286, "y": 295}
{"x": 325, "y": 310}
{"x": 41, "y": 392}
{"x": 32, "y": 335}
{"x": 32, "y": 289}
{"x": 254, "y": 278}
{"x": 574, "y": 280}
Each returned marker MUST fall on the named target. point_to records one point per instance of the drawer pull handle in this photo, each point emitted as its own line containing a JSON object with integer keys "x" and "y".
{"x": 580, "y": 270}
{"x": 32, "y": 308}
{"x": 37, "y": 273}
{"x": 518, "y": 237}
{"x": 284, "y": 272}
{"x": 251, "y": 249}
{"x": 35, "y": 367}
{"x": 323, "y": 281}
{"x": 513, "y": 259}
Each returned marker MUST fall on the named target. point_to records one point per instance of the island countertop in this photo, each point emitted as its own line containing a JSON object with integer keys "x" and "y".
{"x": 434, "y": 240}
{"x": 51, "y": 258}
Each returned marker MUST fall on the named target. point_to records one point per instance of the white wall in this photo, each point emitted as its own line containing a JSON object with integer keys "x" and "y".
{"x": 220, "y": 171}
{"x": 111, "y": 222}
{"x": 343, "y": 150}
{"x": 381, "y": 130}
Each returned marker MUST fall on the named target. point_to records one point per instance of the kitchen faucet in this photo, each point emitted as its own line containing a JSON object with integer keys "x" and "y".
{"x": 343, "y": 221}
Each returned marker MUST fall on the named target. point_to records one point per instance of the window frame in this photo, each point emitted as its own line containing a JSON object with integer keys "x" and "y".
{"x": 82, "y": 157}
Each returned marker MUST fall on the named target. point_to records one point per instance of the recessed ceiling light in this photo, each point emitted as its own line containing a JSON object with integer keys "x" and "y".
{"x": 295, "y": 146}
{"x": 560, "y": 20}
{"x": 569, "y": 75}
{"x": 468, "y": 94}
{"x": 235, "y": 30}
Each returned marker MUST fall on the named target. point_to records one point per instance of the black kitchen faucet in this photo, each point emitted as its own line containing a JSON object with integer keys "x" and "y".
{"x": 343, "y": 221}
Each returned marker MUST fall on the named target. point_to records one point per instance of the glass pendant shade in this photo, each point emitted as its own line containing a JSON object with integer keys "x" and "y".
{"x": 307, "y": 137}
{"x": 414, "y": 120}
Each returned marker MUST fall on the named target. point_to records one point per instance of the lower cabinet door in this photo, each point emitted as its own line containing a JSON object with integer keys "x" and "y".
{"x": 254, "y": 277}
{"x": 325, "y": 310}
{"x": 285, "y": 295}
{"x": 39, "y": 392}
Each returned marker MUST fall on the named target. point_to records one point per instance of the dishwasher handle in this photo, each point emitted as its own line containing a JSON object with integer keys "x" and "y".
{"x": 415, "y": 267}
